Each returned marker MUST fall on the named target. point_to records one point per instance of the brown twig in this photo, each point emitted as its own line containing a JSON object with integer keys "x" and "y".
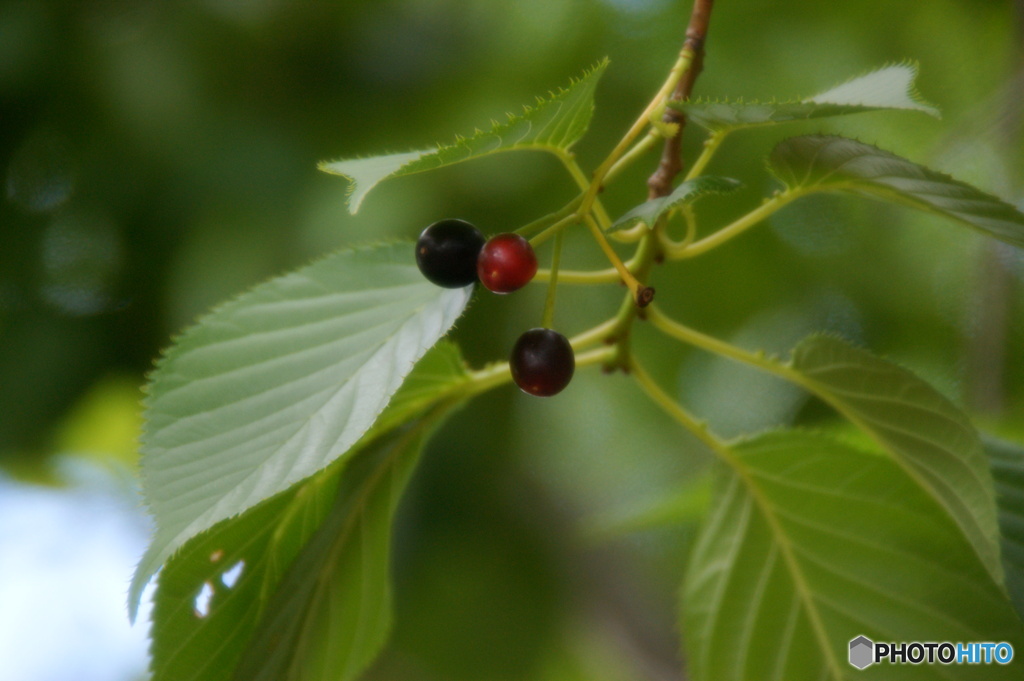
{"x": 660, "y": 182}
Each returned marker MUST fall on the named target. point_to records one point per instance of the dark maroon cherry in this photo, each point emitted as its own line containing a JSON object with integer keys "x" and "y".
{"x": 506, "y": 263}
{"x": 542, "y": 362}
{"x": 446, "y": 253}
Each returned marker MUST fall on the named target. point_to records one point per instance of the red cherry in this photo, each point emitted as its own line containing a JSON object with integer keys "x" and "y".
{"x": 506, "y": 263}
{"x": 542, "y": 362}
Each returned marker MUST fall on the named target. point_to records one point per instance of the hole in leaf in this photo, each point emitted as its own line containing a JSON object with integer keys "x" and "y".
{"x": 203, "y": 598}
{"x": 230, "y": 576}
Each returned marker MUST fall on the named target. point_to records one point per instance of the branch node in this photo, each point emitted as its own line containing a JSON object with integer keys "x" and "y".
{"x": 644, "y": 296}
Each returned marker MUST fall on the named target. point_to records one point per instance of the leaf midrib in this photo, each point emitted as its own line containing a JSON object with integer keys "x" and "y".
{"x": 786, "y": 548}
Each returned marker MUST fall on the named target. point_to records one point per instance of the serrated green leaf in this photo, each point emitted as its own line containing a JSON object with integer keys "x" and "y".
{"x": 812, "y": 543}
{"x": 553, "y": 124}
{"x": 890, "y": 87}
{"x": 441, "y": 370}
{"x": 832, "y": 163}
{"x": 932, "y": 440}
{"x": 1007, "y": 461}
{"x": 686, "y": 193}
{"x": 331, "y": 613}
{"x": 262, "y": 542}
{"x": 276, "y": 384}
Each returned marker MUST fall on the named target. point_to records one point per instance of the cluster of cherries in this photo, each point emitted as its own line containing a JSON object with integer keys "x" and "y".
{"x": 453, "y": 253}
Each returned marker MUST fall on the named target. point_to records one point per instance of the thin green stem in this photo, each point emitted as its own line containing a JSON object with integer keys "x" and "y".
{"x": 631, "y": 235}
{"x": 639, "y": 291}
{"x": 711, "y": 145}
{"x": 554, "y": 229}
{"x": 550, "y": 219}
{"x": 608, "y": 276}
{"x": 602, "y": 333}
{"x": 736, "y": 228}
{"x": 579, "y": 177}
{"x": 719, "y": 347}
{"x": 621, "y": 324}
{"x": 482, "y": 380}
{"x": 677, "y": 412}
{"x": 547, "y": 321}
{"x": 595, "y": 356}
{"x": 691, "y": 224}
{"x": 670, "y": 245}
{"x": 655, "y": 106}
{"x": 497, "y": 374}
{"x": 639, "y": 149}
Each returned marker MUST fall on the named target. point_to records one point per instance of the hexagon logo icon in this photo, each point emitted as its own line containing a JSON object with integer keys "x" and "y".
{"x": 862, "y": 652}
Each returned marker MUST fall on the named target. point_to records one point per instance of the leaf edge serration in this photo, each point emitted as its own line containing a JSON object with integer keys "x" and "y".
{"x": 356, "y": 191}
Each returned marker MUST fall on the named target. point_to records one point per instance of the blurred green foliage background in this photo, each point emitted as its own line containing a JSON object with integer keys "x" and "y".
{"x": 161, "y": 157}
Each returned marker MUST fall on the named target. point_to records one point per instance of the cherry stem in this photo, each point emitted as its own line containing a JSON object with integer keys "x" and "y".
{"x": 548, "y": 221}
{"x": 642, "y": 295}
{"x": 651, "y": 244}
{"x": 578, "y": 176}
{"x": 606, "y": 276}
{"x": 549, "y": 302}
{"x": 554, "y": 229}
